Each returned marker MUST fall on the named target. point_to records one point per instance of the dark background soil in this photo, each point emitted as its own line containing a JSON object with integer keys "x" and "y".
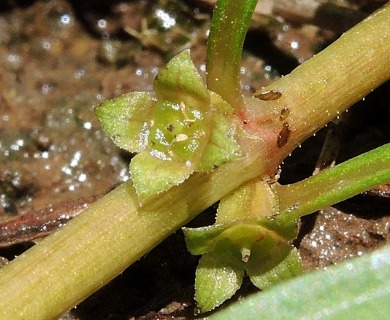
{"x": 60, "y": 58}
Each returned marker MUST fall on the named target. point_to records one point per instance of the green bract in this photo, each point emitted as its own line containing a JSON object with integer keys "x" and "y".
{"x": 180, "y": 129}
{"x": 246, "y": 237}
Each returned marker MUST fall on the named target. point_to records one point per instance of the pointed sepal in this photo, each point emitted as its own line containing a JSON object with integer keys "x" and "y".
{"x": 152, "y": 175}
{"x": 215, "y": 282}
{"x": 125, "y": 119}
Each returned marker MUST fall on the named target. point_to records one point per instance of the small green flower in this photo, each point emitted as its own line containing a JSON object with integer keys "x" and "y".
{"x": 246, "y": 238}
{"x": 179, "y": 129}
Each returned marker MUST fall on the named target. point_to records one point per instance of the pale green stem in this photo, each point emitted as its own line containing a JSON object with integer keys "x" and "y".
{"x": 335, "y": 184}
{"x": 224, "y": 49}
{"x": 339, "y": 76}
{"x": 93, "y": 248}
{"x": 67, "y": 266}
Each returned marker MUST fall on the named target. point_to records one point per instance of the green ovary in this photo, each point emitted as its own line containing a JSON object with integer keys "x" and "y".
{"x": 177, "y": 130}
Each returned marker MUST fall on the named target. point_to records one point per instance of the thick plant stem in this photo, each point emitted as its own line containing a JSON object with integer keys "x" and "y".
{"x": 330, "y": 82}
{"x": 100, "y": 243}
{"x": 68, "y": 266}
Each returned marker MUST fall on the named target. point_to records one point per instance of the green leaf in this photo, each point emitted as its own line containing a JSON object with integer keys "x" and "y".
{"x": 152, "y": 175}
{"x": 216, "y": 282}
{"x": 125, "y": 118}
{"x": 356, "y": 289}
{"x": 180, "y": 82}
{"x": 271, "y": 263}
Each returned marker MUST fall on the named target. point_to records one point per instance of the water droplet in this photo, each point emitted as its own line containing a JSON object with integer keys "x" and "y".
{"x": 102, "y": 23}
{"x": 167, "y": 20}
{"x": 65, "y": 19}
{"x": 294, "y": 44}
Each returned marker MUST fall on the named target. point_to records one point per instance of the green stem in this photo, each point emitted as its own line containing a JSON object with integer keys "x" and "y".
{"x": 342, "y": 74}
{"x": 335, "y": 184}
{"x": 229, "y": 26}
{"x": 67, "y": 266}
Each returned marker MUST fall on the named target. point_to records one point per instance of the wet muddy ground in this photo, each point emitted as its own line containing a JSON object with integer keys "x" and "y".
{"x": 58, "y": 59}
